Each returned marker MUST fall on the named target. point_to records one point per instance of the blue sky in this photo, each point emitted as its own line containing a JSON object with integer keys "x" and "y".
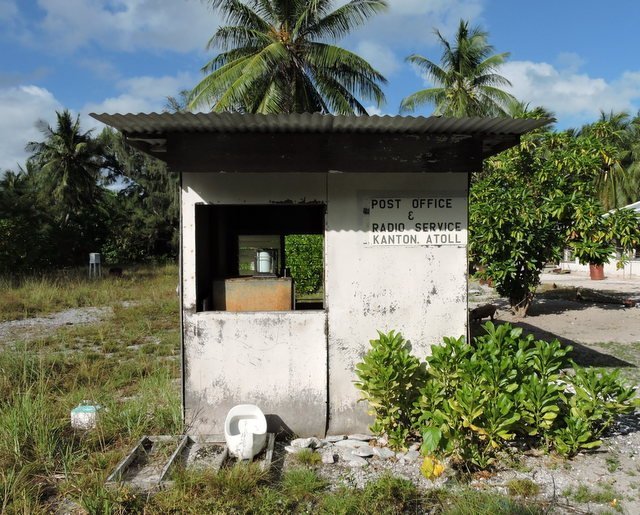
{"x": 574, "y": 57}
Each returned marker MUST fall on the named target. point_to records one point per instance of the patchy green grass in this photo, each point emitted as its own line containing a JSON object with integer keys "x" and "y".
{"x": 307, "y": 457}
{"x": 613, "y": 462}
{"x": 127, "y": 364}
{"x": 522, "y": 488}
{"x": 603, "y": 494}
{"x": 28, "y": 296}
{"x": 628, "y": 352}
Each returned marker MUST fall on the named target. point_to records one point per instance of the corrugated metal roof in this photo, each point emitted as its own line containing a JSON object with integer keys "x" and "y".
{"x": 162, "y": 123}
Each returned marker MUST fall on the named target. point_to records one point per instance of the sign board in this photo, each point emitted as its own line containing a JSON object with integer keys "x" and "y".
{"x": 418, "y": 221}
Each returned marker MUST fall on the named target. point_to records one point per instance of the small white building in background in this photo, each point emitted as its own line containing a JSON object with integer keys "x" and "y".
{"x": 631, "y": 267}
{"x": 388, "y": 195}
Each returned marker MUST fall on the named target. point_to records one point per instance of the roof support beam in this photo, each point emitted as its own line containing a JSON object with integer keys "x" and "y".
{"x": 321, "y": 152}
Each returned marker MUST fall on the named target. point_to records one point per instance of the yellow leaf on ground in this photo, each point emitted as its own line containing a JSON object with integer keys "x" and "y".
{"x": 431, "y": 468}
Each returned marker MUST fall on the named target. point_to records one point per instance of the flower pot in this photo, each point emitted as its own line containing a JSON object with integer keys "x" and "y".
{"x": 596, "y": 272}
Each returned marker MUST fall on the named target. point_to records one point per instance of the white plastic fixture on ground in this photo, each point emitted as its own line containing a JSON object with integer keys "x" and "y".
{"x": 245, "y": 431}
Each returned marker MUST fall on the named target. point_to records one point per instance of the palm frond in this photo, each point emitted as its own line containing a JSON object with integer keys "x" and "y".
{"x": 344, "y": 19}
{"x": 434, "y": 96}
{"x": 256, "y": 68}
{"x": 271, "y": 61}
{"x": 339, "y": 98}
{"x": 208, "y": 90}
{"x": 466, "y": 82}
{"x": 231, "y": 37}
{"x": 433, "y": 72}
{"x": 240, "y": 14}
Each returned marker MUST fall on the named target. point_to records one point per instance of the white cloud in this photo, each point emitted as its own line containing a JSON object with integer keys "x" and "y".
{"x": 180, "y": 25}
{"x": 374, "y": 110}
{"x": 20, "y": 109}
{"x": 380, "y": 57}
{"x": 22, "y": 106}
{"x": 410, "y": 24}
{"x": 571, "y": 94}
{"x": 569, "y": 61}
{"x": 139, "y": 95}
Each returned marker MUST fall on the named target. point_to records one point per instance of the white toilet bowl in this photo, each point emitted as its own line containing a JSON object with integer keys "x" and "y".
{"x": 245, "y": 431}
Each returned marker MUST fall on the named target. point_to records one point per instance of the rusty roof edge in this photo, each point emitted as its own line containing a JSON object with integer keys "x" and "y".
{"x": 162, "y": 123}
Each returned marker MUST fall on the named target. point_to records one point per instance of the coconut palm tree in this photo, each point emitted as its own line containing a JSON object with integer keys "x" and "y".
{"x": 618, "y": 138}
{"x": 69, "y": 162}
{"x": 178, "y": 104}
{"x": 275, "y": 59}
{"x": 632, "y": 189}
{"x": 466, "y": 82}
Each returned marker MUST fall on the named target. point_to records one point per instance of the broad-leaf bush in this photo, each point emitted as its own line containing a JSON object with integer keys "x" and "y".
{"x": 389, "y": 378}
{"x": 473, "y": 399}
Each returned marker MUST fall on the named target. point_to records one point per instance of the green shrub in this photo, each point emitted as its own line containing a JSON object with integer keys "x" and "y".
{"x": 389, "y": 378}
{"x": 304, "y": 257}
{"x": 475, "y": 398}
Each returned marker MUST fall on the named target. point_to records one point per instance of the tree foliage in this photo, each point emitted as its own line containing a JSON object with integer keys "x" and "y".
{"x": 149, "y": 204}
{"x": 304, "y": 254}
{"x": 619, "y": 184}
{"x": 275, "y": 59}
{"x": 466, "y": 83}
{"x": 57, "y": 210}
{"x": 535, "y": 199}
{"x": 69, "y": 161}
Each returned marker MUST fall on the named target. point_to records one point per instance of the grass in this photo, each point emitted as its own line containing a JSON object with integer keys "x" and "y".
{"x": 522, "y": 488}
{"x": 28, "y": 296}
{"x": 613, "y": 463}
{"x": 605, "y": 494}
{"x": 307, "y": 457}
{"x": 301, "y": 490}
{"x": 628, "y": 352}
{"x": 128, "y": 364}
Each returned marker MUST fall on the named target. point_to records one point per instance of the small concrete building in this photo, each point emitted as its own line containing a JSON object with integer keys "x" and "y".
{"x": 388, "y": 195}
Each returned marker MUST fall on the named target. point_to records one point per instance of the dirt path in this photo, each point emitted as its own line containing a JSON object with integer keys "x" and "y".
{"x": 30, "y": 328}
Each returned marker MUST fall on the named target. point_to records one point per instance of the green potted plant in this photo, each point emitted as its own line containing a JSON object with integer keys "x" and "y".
{"x": 595, "y": 253}
{"x": 591, "y": 238}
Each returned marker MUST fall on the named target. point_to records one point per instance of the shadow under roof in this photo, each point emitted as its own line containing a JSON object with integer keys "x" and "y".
{"x": 170, "y": 136}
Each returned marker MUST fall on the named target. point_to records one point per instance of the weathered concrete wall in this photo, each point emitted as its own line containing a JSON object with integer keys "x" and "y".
{"x": 277, "y": 360}
{"x": 420, "y": 291}
{"x": 292, "y": 363}
{"x": 245, "y": 188}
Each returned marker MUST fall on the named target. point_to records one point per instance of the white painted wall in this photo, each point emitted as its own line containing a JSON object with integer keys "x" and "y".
{"x": 280, "y": 360}
{"x": 276, "y": 360}
{"x": 419, "y": 291}
{"x": 630, "y": 268}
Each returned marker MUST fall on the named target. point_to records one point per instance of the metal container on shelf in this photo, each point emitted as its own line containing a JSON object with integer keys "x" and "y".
{"x": 266, "y": 262}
